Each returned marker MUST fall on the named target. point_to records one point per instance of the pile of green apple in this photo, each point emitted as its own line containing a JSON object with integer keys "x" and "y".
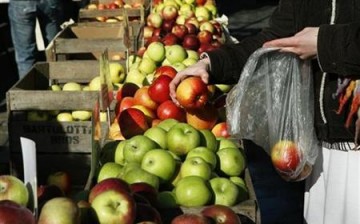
{"x": 186, "y": 166}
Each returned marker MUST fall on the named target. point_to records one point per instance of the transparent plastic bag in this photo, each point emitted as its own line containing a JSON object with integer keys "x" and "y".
{"x": 272, "y": 105}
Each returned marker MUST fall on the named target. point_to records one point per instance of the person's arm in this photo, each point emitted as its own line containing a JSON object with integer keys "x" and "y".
{"x": 227, "y": 61}
{"x": 339, "y": 48}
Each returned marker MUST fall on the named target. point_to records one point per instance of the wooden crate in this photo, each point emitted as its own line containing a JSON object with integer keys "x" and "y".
{"x": 89, "y": 41}
{"x": 100, "y": 15}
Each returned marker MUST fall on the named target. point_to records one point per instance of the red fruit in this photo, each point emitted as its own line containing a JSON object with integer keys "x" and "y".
{"x": 147, "y": 213}
{"x": 191, "y": 28}
{"x": 192, "y": 93}
{"x": 112, "y": 5}
{"x": 221, "y": 214}
{"x": 116, "y": 184}
{"x": 202, "y": 118}
{"x": 165, "y": 70}
{"x": 125, "y": 103}
{"x": 13, "y": 213}
{"x": 191, "y": 42}
{"x": 142, "y": 97}
{"x": 180, "y": 31}
{"x": 200, "y": 2}
{"x": 170, "y": 39}
{"x": 127, "y": 89}
{"x": 286, "y": 157}
{"x": 169, "y": 109}
{"x": 169, "y": 12}
{"x": 167, "y": 25}
{"x": 220, "y": 130}
{"x": 191, "y": 218}
{"x": 132, "y": 122}
{"x": 146, "y": 190}
{"x": 159, "y": 90}
{"x": 205, "y": 37}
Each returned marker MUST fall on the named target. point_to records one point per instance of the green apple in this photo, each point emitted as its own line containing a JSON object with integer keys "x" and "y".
{"x": 114, "y": 206}
{"x": 117, "y": 72}
{"x": 138, "y": 175}
{"x": 225, "y": 191}
{"x": 166, "y": 199}
{"x": 71, "y": 86}
{"x": 231, "y": 161}
{"x": 109, "y": 170}
{"x": 208, "y": 139}
{"x": 181, "y": 138}
{"x": 166, "y": 62}
{"x": 156, "y": 51}
{"x": 189, "y": 61}
{"x": 225, "y": 88}
{"x": 176, "y": 53}
{"x": 59, "y": 210}
{"x": 195, "y": 166}
{"x": 37, "y": 115}
{"x": 133, "y": 59}
{"x": 202, "y": 13}
{"x": 160, "y": 163}
{"x": 167, "y": 124}
{"x": 206, "y": 154}
{"x": 179, "y": 66}
{"x": 135, "y": 76}
{"x": 192, "y": 54}
{"x": 158, "y": 135}
{"x": 119, "y": 153}
{"x": 243, "y": 189}
{"x": 12, "y": 188}
{"x": 136, "y": 147}
{"x": 192, "y": 191}
{"x": 226, "y": 143}
{"x": 95, "y": 84}
{"x": 128, "y": 167}
{"x": 212, "y": 8}
{"x": 64, "y": 117}
{"x": 55, "y": 87}
{"x": 147, "y": 66}
{"x": 81, "y": 115}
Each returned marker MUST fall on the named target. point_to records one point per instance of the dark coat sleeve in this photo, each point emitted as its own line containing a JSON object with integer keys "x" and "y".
{"x": 339, "y": 48}
{"x": 228, "y": 61}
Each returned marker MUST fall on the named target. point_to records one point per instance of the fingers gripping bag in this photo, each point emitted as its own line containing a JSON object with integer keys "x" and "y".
{"x": 272, "y": 105}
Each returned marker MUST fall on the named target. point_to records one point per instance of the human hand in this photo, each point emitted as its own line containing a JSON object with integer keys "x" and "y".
{"x": 304, "y": 43}
{"x": 199, "y": 69}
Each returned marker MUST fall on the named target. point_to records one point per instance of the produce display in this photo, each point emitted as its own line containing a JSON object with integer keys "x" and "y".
{"x": 158, "y": 157}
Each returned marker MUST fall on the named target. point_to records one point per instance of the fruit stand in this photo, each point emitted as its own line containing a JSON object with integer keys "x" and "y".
{"x": 149, "y": 150}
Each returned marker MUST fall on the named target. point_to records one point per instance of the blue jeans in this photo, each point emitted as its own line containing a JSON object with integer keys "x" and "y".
{"x": 22, "y": 16}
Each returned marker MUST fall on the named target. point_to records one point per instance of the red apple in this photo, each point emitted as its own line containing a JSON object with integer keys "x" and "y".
{"x": 169, "y": 12}
{"x": 132, "y": 122}
{"x": 220, "y": 130}
{"x": 194, "y": 21}
{"x": 142, "y": 97}
{"x": 192, "y": 93}
{"x": 150, "y": 40}
{"x": 159, "y": 90}
{"x": 205, "y": 36}
{"x": 147, "y": 213}
{"x": 13, "y": 213}
{"x": 202, "y": 118}
{"x": 165, "y": 70}
{"x": 167, "y": 25}
{"x": 101, "y": 6}
{"x": 127, "y": 89}
{"x": 106, "y": 184}
{"x": 112, "y": 5}
{"x": 146, "y": 190}
{"x": 158, "y": 32}
{"x": 217, "y": 27}
{"x": 125, "y": 103}
{"x": 286, "y": 157}
{"x": 169, "y": 109}
{"x": 192, "y": 218}
{"x": 205, "y": 47}
{"x": 180, "y": 31}
{"x": 191, "y": 42}
{"x": 200, "y": 2}
{"x": 221, "y": 214}
{"x": 191, "y": 28}
{"x": 216, "y": 43}
{"x": 170, "y": 39}
{"x": 149, "y": 114}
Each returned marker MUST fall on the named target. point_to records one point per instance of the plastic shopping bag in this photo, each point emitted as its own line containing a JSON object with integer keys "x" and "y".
{"x": 272, "y": 105}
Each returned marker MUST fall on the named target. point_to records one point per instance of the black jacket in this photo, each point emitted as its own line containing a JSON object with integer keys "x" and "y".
{"x": 338, "y": 54}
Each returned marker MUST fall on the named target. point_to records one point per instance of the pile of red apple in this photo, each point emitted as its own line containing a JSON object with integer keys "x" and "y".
{"x": 189, "y": 23}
